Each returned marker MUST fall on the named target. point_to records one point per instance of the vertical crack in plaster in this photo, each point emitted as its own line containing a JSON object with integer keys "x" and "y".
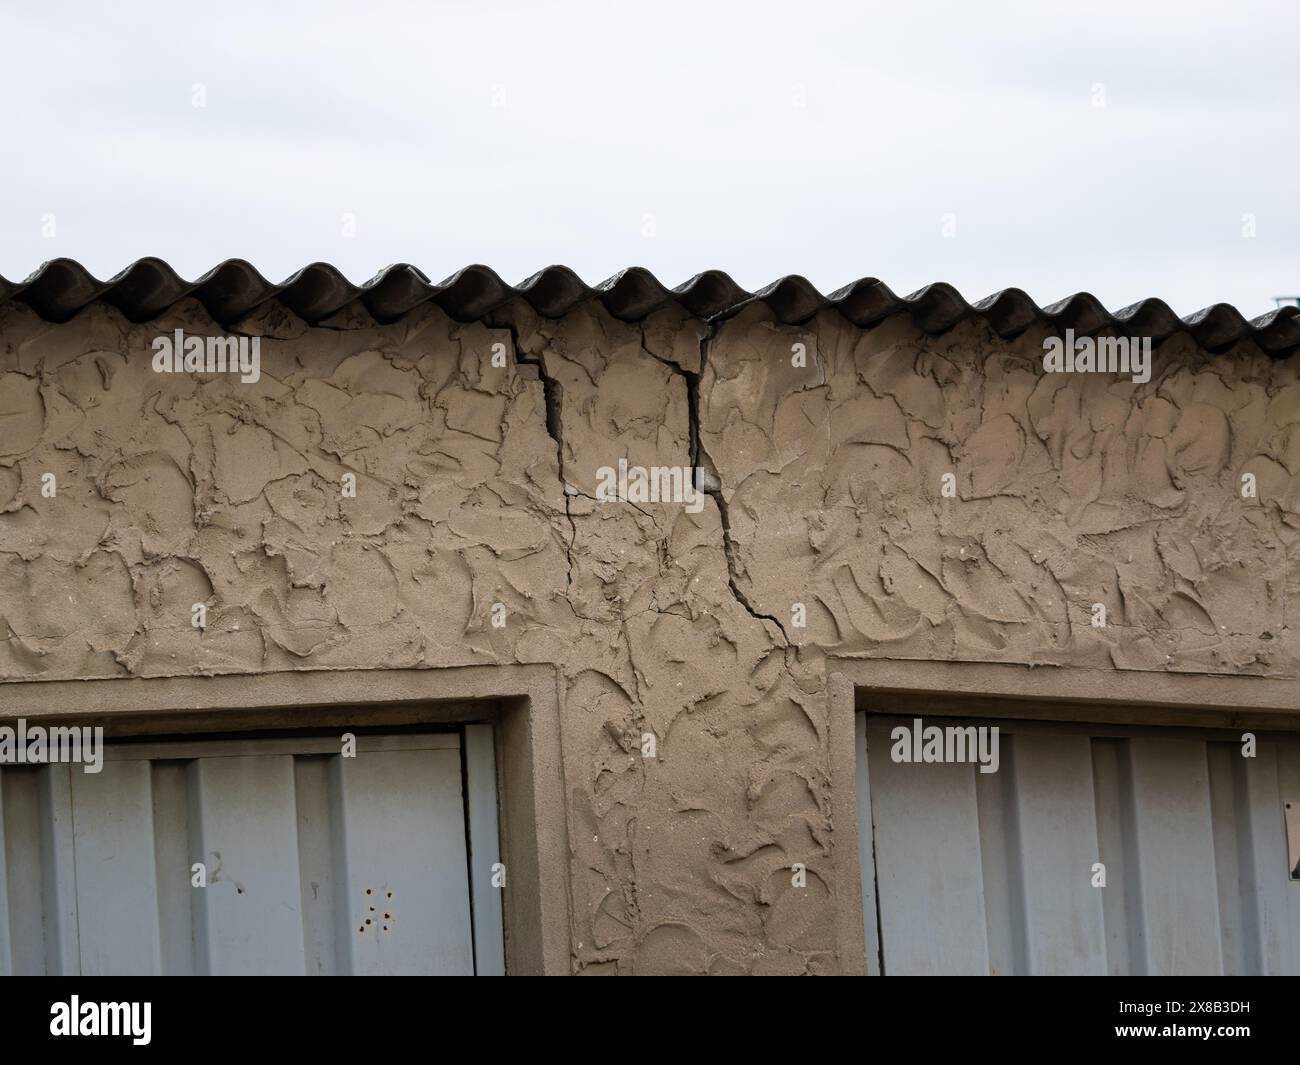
{"x": 704, "y": 470}
{"x": 553, "y": 395}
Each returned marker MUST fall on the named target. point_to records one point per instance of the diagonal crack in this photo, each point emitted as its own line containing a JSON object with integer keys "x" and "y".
{"x": 706, "y": 475}
{"x": 728, "y": 549}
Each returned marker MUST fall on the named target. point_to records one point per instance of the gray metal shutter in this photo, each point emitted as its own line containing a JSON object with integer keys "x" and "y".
{"x": 315, "y": 863}
{"x": 966, "y": 872}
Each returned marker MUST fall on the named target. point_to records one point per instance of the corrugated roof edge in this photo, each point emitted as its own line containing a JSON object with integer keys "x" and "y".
{"x": 62, "y": 287}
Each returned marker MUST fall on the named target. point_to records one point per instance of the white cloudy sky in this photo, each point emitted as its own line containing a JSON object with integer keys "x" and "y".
{"x": 680, "y": 110}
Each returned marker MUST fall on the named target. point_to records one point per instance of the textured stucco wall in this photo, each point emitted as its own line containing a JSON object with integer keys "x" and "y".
{"x": 1071, "y": 490}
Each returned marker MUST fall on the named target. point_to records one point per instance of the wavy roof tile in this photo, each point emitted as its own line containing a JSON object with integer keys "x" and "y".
{"x": 62, "y": 287}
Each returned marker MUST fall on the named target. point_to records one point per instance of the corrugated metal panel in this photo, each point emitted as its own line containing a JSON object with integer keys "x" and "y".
{"x": 315, "y": 863}
{"x": 144, "y": 290}
{"x": 970, "y": 872}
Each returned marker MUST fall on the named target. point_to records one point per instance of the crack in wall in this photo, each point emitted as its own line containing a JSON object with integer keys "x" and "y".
{"x": 706, "y": 473}
{"x": 553, "y": 396}
{"x": 728, "y": 549}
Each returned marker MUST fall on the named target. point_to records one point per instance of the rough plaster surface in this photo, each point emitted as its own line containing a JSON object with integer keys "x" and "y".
{"x": 1071, "y": 490}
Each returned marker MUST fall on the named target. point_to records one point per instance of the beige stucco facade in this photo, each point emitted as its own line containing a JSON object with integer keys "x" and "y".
{"x": 715, "y": 630}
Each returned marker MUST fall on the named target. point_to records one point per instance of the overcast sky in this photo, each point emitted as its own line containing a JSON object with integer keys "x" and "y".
{"x": 1127, "y": 149}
